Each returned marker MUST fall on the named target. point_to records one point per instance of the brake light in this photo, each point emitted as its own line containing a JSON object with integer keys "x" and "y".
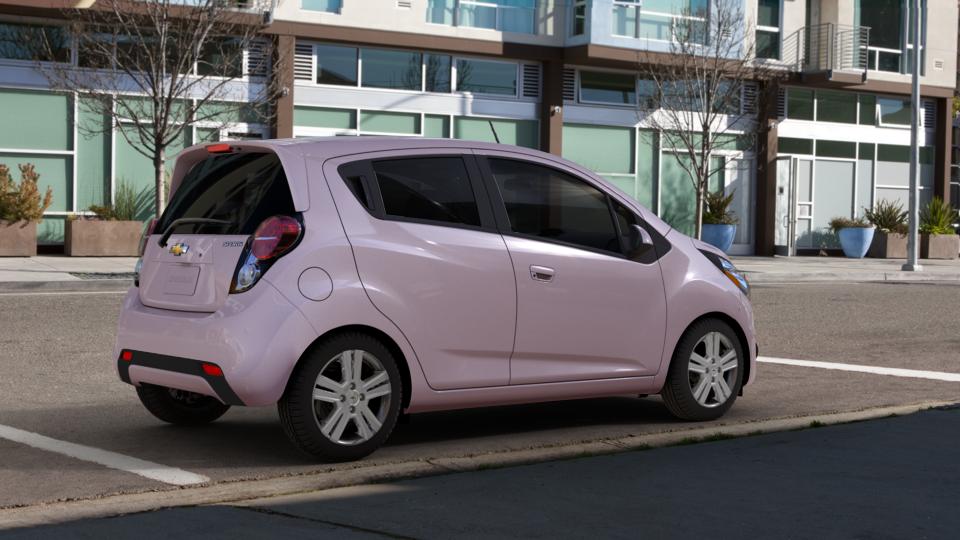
{"x": 220, "y": 148}
{"x": 212, "y": 370}
{"x": 274, "y": 236}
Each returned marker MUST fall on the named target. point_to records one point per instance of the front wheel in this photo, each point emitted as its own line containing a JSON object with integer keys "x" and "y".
{"x": 343, "y": 401}
{"x": 706, "y": 372}
{"x": 179, "y": 406}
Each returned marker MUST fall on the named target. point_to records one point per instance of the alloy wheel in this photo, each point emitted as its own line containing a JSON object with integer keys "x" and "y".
{"x": 351, "y": 397}
{"x": 712, "y": 370}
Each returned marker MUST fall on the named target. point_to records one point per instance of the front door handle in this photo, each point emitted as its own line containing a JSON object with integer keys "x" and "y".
{"x": 541, "y": 273}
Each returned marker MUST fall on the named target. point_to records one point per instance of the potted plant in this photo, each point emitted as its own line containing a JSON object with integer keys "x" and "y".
{"x": 21, "y": 208}
{"x": 112, "y": 231}
{"x": 938, "y": 239}
{"x": 719, "y": 224}
{"x": 855, "y": 235}
{"x": 890, "y": 239}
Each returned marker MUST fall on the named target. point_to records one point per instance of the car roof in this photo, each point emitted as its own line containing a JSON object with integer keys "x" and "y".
{"x": 345, "y": 145}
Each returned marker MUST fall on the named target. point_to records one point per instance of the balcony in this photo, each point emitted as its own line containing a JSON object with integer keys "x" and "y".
{"x": 830, "y": 53}
{"x": 519, "y": 16}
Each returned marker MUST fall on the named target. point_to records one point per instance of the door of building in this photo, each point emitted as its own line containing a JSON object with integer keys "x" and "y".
{"x": 786, "y": 207}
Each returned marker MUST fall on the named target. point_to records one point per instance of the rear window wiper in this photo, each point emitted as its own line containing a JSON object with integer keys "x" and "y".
{"x": 188, "y": 221}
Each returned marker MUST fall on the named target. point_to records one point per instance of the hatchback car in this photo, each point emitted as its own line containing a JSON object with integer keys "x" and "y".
{"x": 352, "y": 280}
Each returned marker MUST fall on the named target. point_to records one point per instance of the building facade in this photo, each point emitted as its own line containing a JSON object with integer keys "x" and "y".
{"x": 562, "y": 76}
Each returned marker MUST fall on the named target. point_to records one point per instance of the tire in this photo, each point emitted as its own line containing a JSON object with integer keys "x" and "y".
{"x": 695, "y": 396}
{"x": 179, "y": 406}
{"x": 339, "y": 422}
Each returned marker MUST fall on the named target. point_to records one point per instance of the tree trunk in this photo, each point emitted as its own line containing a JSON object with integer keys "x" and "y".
{"x": 159, "y": 171}
{"x": 698, "y": 215}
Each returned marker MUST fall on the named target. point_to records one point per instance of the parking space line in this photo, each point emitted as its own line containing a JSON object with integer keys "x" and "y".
{"x": 876, "y": 370}
{"x": 147, "y": 469}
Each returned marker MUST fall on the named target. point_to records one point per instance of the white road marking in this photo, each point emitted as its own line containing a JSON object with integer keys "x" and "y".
{"x": 876, "y": 370}
{"x": 147, "y": 469}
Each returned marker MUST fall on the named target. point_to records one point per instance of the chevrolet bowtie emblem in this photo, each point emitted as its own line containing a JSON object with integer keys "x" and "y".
{"x": 179, "y": 249}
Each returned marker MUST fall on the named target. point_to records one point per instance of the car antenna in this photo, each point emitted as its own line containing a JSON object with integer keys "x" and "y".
{"x": 494, "y": 130}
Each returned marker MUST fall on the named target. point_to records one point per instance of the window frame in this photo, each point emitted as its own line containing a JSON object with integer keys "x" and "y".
{"x": 505, "y": 228}
{"x": 376, "y": 207}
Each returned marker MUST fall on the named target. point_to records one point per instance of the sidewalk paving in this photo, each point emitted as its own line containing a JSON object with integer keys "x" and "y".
{"x": 797, "y": 269}
{"x": 58, "y": 272}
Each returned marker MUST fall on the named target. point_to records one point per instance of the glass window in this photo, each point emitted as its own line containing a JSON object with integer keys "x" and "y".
{"x": 799, "y": 104}
{"x": 243, "y": 189}
{"x": 553, "y": 205}
{"x": 220, "y": 57}
{"x": 789, "y": 145}
{"x": 619, "y": 88}
{"x": 330, "y": 6}
{"x": 868, "y": 109}
{"x": 840, "y": 149}
{"x": 579, "y": 17}
{"x": 400, "y": 70}
{"x": 836, "y": 107}
{"x": 433, "y": 189}
{"x": 33, "y": 42}
{"x": 440, "y": 11}
{"x": 437, "y": 72}
{"x": 336, "y": 65}
{"x": 895, "y": 111}
{"x": 768, "y": 29}
{"x": 484, "y": 77}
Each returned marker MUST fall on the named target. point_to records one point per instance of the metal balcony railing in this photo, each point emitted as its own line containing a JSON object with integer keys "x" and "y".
{"x": 829, "y": 47}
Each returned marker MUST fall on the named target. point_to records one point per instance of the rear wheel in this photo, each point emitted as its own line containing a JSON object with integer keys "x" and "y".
{"x": 343, "y": 401}
{"x": 179, "y": 406}
{"x": 706, "y": 371}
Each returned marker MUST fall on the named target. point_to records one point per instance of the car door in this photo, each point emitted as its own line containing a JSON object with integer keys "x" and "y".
{"x": 584, "y": 310}
{"x": 431, "y": 259}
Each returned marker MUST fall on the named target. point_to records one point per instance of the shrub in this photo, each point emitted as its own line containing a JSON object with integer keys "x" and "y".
{"x": 838, "y": 223}
{"x": 937, "y": 217}
{"x": 715, "y": 209}
{"x": 22, "y": 202}
{"x": 888, "y": 217}
{"x": 124, "y": 207}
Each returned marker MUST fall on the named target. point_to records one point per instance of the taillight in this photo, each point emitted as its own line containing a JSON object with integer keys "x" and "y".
{"x": 274, "y": 237}
{"x": 147, "y": 231}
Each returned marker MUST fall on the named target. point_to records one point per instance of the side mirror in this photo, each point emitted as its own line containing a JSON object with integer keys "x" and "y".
{"x": 638, "y": 241}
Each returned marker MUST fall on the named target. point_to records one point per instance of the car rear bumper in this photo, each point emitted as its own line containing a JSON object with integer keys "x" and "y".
{"x": 255, "y": 339}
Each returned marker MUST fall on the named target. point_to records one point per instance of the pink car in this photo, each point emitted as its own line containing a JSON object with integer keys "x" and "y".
{"x": 350, "y": 280}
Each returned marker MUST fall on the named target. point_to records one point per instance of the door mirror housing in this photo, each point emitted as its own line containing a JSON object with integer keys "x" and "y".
{"x": 638, "y": 241}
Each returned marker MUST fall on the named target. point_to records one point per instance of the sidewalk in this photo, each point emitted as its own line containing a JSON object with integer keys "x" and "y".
{"x": 58, "y": 272}
{"x": 797, "y": 269}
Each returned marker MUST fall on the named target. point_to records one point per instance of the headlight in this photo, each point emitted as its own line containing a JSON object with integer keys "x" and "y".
{"x": 733, "y": 274}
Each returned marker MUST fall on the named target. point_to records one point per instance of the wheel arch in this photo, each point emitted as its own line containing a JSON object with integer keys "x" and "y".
{"x": 379, "y": 335}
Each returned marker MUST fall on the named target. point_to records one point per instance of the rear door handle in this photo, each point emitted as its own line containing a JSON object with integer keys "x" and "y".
{"x": 541, "y": 273}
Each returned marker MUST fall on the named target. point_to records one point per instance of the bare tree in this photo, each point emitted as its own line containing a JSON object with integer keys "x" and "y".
{"x": 693, "y": 95}
{"x": 154, "y": 68}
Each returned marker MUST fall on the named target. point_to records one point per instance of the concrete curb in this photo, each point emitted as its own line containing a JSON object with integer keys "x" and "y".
{"x": 845, "y": 277}
{"x": 250, "y": 491}
{"x": 73, "y": 285}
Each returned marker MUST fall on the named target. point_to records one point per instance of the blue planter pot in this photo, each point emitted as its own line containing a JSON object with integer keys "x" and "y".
{"x": 719, "y": 236}
{"x": 855, "y": 241}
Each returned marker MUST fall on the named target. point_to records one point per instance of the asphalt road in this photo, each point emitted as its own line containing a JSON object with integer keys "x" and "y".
{"x": 889, "y": 478}
{"x": 57, "y": 379}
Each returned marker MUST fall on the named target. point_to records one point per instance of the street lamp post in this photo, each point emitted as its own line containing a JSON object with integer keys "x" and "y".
{"x": 913, "y": 262}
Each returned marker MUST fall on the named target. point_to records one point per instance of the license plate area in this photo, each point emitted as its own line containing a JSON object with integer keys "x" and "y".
{"x": 181, "y": 280}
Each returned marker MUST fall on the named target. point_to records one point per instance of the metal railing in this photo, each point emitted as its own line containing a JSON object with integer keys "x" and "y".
{"x": 829, "y": 47}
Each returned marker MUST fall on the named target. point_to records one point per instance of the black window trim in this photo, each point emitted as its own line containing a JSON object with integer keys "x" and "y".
{"x": 661, "y": 245}
{"x": 375, "y": 205}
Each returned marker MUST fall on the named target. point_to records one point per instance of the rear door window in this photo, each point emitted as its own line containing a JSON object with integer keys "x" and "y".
{"x": 428, "y": 188}
{"x": 242, "y": 189}
{"x": 553, "y": 205}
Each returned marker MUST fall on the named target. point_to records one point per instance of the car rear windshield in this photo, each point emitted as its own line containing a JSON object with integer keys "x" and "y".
{"x": 241, "y": 189}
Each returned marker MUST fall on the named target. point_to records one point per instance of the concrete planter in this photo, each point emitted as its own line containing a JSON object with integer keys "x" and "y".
{"x": 888, "y": 246}
{"x": 96, "y": 238}
{"x": 18, "y": 238}
{"x": 855, "y": 241}
{"x": 718, "y": 235}
{"x": 939, "y": 246}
